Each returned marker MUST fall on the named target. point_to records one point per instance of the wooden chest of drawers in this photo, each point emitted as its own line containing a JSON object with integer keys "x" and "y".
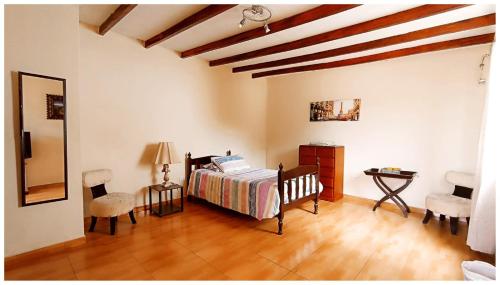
{"x": 331, "y": 168}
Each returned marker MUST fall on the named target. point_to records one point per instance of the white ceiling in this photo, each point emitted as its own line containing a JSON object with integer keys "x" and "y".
{"x": 147, "y": 20}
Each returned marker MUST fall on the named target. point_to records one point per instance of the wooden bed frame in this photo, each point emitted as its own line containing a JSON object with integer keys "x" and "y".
{"x": 283, "y": 177}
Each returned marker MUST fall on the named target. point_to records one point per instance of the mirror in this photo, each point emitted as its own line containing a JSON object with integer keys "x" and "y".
{"x": 42, "y": 102}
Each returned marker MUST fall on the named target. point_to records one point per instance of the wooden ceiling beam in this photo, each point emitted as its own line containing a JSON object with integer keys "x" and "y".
{"x": 463, "y": 42}
{"x": 199, "y": 17}
{"x": 314, "y": 14}
{"x": 375, "y": 24}
{"x": 115, "y": 17}
{"x": 468, "y": 24}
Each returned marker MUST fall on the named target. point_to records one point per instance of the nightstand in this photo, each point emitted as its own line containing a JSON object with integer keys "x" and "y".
{"x": 169, "y": 207}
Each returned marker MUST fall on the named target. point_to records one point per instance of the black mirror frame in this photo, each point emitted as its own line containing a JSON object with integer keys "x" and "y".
{"x": 22, "y": 164}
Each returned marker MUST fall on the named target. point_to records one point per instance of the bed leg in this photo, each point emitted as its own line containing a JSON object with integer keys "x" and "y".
{"x": 280, "y": 223}
{"x": 281, "y": 191}
{"x": 316, "y": 187}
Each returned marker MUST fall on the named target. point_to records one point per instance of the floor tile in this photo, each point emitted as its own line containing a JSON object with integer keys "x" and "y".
{"x": 345, "y": 241}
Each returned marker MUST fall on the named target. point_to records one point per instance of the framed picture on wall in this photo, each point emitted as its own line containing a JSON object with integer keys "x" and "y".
{"x": 335, "y": 110}
{"x": 55, "y": 107}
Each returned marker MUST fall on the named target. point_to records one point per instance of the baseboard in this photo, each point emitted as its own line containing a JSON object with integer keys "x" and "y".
{"x": 41, "y": 252}
{"x": 37, "y": 187}
{"x": 63, "y": 245}
{"x": 390, "y": 206}
{"x": 142, "y": 208}
{"x": 385, "y": 205}
{"x": 145, "y": 207}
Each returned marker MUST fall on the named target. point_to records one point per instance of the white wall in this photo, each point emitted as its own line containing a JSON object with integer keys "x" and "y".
{"x": 40, "y": 39}
{"x": 133, "y": 98}
{"x": 419, "y": 113}
{"x": 47, "y": 136}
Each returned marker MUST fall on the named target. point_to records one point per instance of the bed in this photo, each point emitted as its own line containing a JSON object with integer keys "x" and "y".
{"x": 260, "y": 193}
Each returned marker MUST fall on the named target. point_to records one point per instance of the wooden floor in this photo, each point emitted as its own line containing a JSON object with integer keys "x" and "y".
{"x": 345, "y": 241}
{"x": 45, "y": 192}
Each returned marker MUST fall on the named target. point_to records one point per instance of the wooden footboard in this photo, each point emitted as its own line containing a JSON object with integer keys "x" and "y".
{"x": 285, "y": 179}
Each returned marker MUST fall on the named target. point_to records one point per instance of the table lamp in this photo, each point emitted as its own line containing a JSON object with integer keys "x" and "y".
{"x": 166, "y": 154}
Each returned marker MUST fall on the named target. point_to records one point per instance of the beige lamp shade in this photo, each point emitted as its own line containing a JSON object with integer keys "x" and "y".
{"x": 166, "y": 154}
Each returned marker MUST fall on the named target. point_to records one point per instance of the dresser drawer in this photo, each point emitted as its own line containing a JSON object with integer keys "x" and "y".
{"x": 331, "y": 168}
{"x": 326, "y": 181}
{"x": 307, "y": 160}
{"x": 327, "y": 152}
{"x": 326, "y": 172}
{"x": 327, "y": 193}
{"x": 307, "y": 150}
{"x": 326, "y": 162}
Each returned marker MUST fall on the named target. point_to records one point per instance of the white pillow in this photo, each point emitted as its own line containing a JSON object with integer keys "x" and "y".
{"x": 230, "y": 163}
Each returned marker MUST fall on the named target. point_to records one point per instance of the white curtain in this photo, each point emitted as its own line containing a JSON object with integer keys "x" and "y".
{"x": 481, "y": 235}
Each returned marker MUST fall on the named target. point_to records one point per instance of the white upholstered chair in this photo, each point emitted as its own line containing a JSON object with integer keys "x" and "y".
{"x": 104, "y": 204}
{"x": 456, "y": 204}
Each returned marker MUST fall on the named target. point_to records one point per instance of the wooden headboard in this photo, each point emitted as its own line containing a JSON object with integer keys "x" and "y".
{"x": 196, "y": 163}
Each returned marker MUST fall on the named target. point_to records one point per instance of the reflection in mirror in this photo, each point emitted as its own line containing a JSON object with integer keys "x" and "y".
{"x": 43, "y": 133}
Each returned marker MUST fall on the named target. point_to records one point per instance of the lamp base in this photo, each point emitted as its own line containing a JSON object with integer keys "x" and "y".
{"x": 166, "y": 179}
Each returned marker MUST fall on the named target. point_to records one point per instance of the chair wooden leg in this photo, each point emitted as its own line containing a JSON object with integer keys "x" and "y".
{"x": 454, "y": 225}
{"x": 132, "y": 218}
{"x": 112, "y": 224}
{"x": 92, "y": 223}
{"x": 468, "y": 220}
{"x": 442, "y": 217}
{"x": 428, "y": 215}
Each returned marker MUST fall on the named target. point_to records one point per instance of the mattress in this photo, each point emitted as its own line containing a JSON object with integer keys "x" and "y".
{"x": 252, "y": 191}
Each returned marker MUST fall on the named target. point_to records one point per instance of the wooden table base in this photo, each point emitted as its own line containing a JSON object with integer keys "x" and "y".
{"x": 392, "y": 194}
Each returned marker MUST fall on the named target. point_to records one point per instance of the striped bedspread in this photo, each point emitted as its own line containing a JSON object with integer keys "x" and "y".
{"x": 251, "y": 191}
